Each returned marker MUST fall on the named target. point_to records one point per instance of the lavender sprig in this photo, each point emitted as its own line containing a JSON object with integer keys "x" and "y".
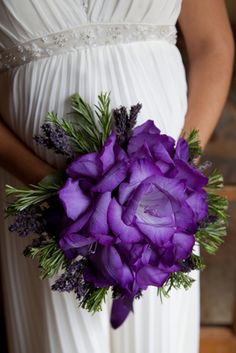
{"x": 124, "y": 122}
{"x": 55, "y": 138}
{"x": 72, "y": 280}
{"x": 29, "y": 221}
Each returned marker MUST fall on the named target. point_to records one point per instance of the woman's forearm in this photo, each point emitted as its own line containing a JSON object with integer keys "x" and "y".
{"x": 17, "y": 159}
{"x": 210, "y": 46}
{"x": 209, "y": 77}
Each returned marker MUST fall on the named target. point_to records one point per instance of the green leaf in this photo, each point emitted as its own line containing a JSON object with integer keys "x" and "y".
{"x": 177, "y": 280}
{"x": 104, "y": 115}
{"x": 211, "y": 236}
{"x": 94, "y": 298}
{"x": 51, "y": 258}
{"x": 193, "y": 141}
{"x": 25, "y": 198}
{"x": 215, "y": 180}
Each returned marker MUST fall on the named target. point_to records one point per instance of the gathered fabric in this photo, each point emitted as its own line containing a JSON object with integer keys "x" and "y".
{"x": 50, "y": 50}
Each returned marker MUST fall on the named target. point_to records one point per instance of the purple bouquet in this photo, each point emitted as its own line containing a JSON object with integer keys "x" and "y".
{"x": 126, "y": 211}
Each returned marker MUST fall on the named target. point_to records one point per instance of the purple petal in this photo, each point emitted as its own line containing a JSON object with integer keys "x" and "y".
{"x": 193, "y": 177}
{"x": 198, "y": 203}
{"x": 120, "y": 310}
{"x": 98, "y": 221}
{"x": 75, "y": 241}
{"x": 104, "y": 239}
{"x": 128, "y": 234}
{"x": 107, "y": 156}
{"x": 139, "y": 171}
{"x": 112, "y": 178}
{"x": 78, "y": 224}
{"x": 147, "y": 127}
{"x": 144, "y": 134}
{"x": 116, "y": 268}
{"x": 151, "y": 276}
{"x": 182, "y": 150}
{"x": 160, "y": 153}
{"x": 86, "y": 165}
{"x": 74, "y": 200}
{"x": 133, "y": 203}
{"x": 183, "y": 245}
{"x": 157, "y": 234}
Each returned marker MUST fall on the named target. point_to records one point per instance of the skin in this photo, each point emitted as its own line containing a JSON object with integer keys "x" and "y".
{"x": 210, "y": 48}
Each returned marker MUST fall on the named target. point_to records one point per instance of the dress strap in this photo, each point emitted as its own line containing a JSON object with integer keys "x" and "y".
{"x": 81, "y": 37}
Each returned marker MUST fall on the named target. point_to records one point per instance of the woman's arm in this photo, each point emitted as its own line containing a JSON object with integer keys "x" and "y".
{"x": 16, "y": 158}
{"x": 210, "y": 48}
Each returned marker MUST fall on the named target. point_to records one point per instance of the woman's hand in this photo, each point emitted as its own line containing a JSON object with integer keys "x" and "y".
{"x": 210, "y": 47}
{"x": 17, "y": 159}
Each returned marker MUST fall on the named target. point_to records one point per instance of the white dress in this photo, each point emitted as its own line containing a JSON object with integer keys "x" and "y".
{"x": 51, "y": 49}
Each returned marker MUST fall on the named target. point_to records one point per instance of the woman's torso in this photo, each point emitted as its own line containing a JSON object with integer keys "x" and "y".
{"x": 147, "y": 71}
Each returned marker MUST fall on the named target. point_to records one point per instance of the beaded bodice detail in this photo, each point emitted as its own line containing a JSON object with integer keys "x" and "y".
{"x": 82, "y": 37}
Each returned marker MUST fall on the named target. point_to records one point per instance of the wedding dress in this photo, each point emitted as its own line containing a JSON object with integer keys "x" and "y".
{"x": 50, "y": 49}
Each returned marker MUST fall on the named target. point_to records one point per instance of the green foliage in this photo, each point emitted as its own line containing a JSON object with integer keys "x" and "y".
{"x": 86, "y": 130}
{"x": 51, "y": 258}
{"x": 177, "y": 280}
{"x": 197, "y": 262}
{"x": 215, "y": 180}
{"x": 94, "y": 298}
{"x": 211, "y": 236}
{"x": 25, "y": 198}
{"x": 104, "y": 116}
{"x": 195, "y": 149}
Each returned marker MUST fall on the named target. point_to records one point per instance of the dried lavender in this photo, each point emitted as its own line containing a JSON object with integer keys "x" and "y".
{"x": 36, "y": 243}
{"x": 205, "y": 166}
{"x": 54, "y": 138}
{"x": 124, "y": 122}
{"x": 29, "y": 221}
{"x": 72, "y": 280}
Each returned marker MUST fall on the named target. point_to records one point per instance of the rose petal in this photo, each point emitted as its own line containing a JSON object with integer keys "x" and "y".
{"x": 74, "y": 200}
{"x": 107, "y": 156}
{"x": 157, "y": 234}
{"x": 194, "y": 178}
{"x": 98, "y": 221}
{"x": 104, "y": 239}
{"x": 120, "y": 310}
{"x": 198, "y": 203}
{"x": 75, "y": 241}
{"x": 112, "y": 178}
{"x": 146, "y": 133}
{"x": 183, "y": 245}
{"x": 151, "y": 276}
{"x": 133, "y": 203}
{"x": 139, "y": 171}
{"x": 128, "y": 234}
{"x": 87, "y": 165}
{"x": 182, "y": 150}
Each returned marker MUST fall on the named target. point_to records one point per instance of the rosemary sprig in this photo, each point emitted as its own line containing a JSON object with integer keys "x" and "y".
{"x": 86, "y": 120}
{"x": 195, "y": 149}
{"x": 26, "y": 198}
{"x": 211, "y": 237}
{"x": 215, "y": 180}
{"x": 103, "y": 113}
{"x": 51, "y": 258}
{"x": 79, "y": 142}
{"x": 177, "y": 280}
{"x": 94, "y": 298}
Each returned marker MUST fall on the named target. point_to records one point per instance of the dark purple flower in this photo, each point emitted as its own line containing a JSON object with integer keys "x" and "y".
{"x": 133, "y": 214}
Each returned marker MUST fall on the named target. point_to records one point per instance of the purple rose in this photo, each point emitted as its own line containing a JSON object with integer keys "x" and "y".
{"x": 133, "y": 213}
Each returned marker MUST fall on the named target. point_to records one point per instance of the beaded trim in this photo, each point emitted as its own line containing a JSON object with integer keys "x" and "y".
{"x": 87, "y": 35}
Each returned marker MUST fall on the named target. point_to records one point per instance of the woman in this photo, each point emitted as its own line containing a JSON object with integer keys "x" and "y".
{"x": 52, "y": 49}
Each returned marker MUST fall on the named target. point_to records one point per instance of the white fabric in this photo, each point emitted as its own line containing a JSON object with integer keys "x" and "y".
{"x": 150, "y": 72}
